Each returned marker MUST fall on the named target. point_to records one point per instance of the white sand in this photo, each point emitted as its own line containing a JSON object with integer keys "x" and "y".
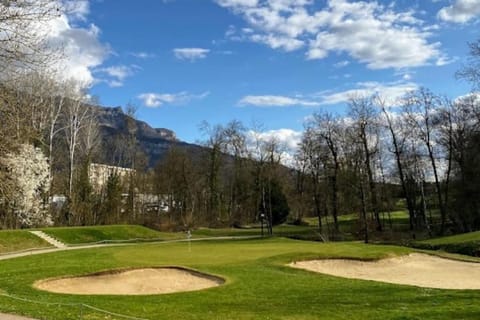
{"x": 416, "y": 269}
{"x": 132, "y": 282}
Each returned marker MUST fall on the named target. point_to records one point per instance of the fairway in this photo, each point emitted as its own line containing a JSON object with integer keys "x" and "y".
{"x": 258, "y": 284}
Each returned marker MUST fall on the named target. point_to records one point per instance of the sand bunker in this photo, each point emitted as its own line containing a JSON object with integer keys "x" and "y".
{"x": 416, "y": 269}
{"x": 132, "y": 282}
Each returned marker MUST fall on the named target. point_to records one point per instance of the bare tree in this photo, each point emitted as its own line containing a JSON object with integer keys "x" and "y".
{"x": 310, "y": 149}
{"x": 471, "y": 71}
{"x": 460, "y": 127}
{"x": 23, "y": 35}
{"x": 75, "y": 115}
{"x": 273, "y": 149}
{"x": 357, "y": 179}
{"x": 30, "y": 110}
{"x": 421, "y": 111}
{"x": 215, "y": 142}
{"x": 236, "y": 146}
{"x": 329, "y": 129}
{"x": 364, "y": 117}
{"x": 44, "y": 98}
{"x": 395, "y": 125}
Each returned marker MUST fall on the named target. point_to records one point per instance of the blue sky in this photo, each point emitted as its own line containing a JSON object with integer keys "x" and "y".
{"x": 270, "y": 61}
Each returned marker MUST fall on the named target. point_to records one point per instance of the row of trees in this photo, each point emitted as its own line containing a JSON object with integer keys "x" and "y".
{"x": 236, "y": 179}
{"x": 422, "y": 148}
{"x": 424, "y": 143}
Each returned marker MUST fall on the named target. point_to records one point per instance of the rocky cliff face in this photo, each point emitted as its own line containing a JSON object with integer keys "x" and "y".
{"x": 116, "y": 127}
{"x": 115, "y": 119}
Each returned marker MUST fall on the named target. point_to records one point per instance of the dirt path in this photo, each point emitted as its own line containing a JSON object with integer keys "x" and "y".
{"x": 4, "y": 316}
{"x": 415, "y": 269}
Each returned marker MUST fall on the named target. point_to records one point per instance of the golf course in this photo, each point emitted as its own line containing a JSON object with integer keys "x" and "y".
{"x": 254, "y": 279}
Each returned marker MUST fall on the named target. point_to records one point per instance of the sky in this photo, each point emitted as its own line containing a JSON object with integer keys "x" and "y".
{"x": 273, "y": 62}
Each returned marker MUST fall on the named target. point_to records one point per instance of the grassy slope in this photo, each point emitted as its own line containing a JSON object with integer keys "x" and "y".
{"x": 79, "y": 235}
{"x": 466, "y": 243}
{"x": 459, "y": 238}
{"x": 399, "y": 218}
{"x": 82, "y": 235}
{"x": 259, "y": 285}
{"x": 280, "y": 231}
{"x": 17, "y": 240}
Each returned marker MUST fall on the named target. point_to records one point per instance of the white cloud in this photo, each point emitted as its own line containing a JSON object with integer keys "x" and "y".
{"x": 275, "y": 101}
{"x": 191, "y": 54}
{"x": 142, "y": 55}
{"x": 341, "y": 64}
{"x": 116, "y": 75}
{"x": 82, "y": 50}
{"x": 78, "y": 9}
{"x": 246, "y": 3}
{"x": 278, "y": 42}
{"x": 287, "y": 142}
{"x": 154, "y": 100}
{"x": 473, "y": 97}
{"x": 390, "y": 91}
{"x": 119, "y": 72}
{"x": 71, "y": 43}
{"x": 287, "y": 137}
{"x": 460, "y": 11}
{"x": 367, "y": 31}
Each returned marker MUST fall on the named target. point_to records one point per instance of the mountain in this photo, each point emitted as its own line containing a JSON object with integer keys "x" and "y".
{"x": 116, "y": 127}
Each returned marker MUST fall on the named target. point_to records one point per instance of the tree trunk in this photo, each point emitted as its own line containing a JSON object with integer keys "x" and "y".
{"x": 371, "y": 182}
{"x": 364, "y": 212}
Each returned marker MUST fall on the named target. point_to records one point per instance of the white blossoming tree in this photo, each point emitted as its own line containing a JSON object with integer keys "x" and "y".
{"x": 29, "y": 171}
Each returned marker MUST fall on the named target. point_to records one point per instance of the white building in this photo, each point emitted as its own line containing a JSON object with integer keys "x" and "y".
{"x": 98, "y": 174}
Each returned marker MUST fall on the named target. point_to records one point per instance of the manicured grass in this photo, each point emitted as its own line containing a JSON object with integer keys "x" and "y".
{"x": 82, "y": 235}
{"x": 350, "y": 226}
{"x": 18, "y": 240}
{"x": 279, "y": 231}
{"x": 93, "y": 234}
{"x": 459, "y": 238}
{"x": 398, "y": 217}
{"x": 259, "y": 285}
{"x": 466, "y": 243}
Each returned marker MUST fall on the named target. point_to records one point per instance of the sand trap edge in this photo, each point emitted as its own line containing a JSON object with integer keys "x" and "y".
{"x": 219, "y": 280}
{"x": 391, "y": 257}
